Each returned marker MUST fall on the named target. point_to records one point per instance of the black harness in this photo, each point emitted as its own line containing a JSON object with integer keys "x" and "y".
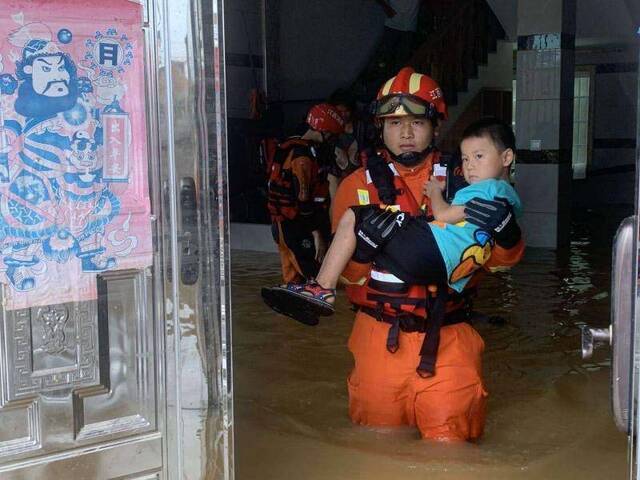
{"x": 435, "y": 303}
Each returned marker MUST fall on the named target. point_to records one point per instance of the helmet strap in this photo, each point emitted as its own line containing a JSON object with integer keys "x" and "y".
{"x": 411, "y": 159}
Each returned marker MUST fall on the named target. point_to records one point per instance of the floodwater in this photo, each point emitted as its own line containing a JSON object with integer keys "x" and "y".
{"x": 549, "y": 414}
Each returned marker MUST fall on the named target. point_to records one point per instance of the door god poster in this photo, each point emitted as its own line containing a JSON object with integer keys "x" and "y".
{"x": 74, "y": 198}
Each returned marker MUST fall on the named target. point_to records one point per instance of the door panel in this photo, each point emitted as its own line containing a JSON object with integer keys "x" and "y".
{"x": 90, "y": 365}
{"x": 113, "y": 463}
{"x": 79, "y": 374}
{"x": 622, "y": 275}
{"x": 634, "y": 341}
{"x": 136, "y": 383}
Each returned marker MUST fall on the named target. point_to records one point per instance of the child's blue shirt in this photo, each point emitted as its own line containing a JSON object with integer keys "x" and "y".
{"x": 464, "y": 246}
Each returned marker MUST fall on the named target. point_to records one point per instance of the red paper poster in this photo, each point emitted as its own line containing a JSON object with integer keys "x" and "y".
{"x": 74, "y": 198}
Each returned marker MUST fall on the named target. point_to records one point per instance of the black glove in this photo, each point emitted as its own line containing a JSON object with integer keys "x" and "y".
{"x": 374, "y": 228}
{"x": 496, "y": 217}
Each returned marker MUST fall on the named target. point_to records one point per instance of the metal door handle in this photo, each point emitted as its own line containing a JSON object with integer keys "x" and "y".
{"x": 619, "y": 333}
{"x": 591, "y": 337}
{"x": 189, "y": 251}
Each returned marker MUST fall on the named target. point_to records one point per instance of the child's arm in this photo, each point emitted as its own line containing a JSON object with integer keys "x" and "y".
{"x": 442, "y": 211}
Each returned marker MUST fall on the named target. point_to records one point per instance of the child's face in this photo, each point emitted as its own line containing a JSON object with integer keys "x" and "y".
{"x": 481, "y": 159}
{"x": 407, "y": 134}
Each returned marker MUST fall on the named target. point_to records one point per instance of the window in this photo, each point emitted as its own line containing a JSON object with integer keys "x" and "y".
{"x": 581, "y": 124}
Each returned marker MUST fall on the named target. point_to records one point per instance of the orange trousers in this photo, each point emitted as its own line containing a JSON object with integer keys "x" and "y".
{"x": 291, "y": 271}
{"x": 385, "y": 390}
{"x": 297, "y": 251}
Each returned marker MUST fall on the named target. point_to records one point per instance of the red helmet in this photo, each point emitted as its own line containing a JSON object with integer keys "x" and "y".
{"x": 410, "y": 93}
{"x": 325, "y": 118}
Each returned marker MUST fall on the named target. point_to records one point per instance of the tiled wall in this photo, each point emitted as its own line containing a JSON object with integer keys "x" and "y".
{"x": 544, "y": 109}
{"x": 542, "y": 98}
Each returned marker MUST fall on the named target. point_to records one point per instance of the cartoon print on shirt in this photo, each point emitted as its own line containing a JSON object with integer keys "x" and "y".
{"x": 473, "y": 257}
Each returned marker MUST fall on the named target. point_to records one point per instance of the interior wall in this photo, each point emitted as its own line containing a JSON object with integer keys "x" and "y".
{"x": 611, "y": 172}
{"x": 244, "y": 53}
{"x": 245, "y": 71}
{"x": 323, "y": 45}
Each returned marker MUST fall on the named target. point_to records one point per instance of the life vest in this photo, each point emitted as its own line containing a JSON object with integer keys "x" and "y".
{"x": 282, "y": 199}
{"x": 383, "y": 291}
{"x": 387, "y": 298}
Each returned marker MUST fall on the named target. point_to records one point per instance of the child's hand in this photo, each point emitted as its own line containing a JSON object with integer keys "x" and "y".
{"x": 432, "y": 187}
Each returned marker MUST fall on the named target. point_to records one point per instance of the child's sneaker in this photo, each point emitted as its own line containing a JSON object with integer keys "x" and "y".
{"x": 304, "y": 302}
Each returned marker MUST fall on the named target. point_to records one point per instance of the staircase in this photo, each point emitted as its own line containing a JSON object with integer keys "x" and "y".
{"x": 464, "y": 32}
{"x": 490, "y": 94}
{"x": 454, "y": 38}
{"x": 463, "y": 46}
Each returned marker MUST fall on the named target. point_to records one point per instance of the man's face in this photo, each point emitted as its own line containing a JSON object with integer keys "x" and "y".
{"x": 407, "y": 134}
{"x": 49, "y": 76}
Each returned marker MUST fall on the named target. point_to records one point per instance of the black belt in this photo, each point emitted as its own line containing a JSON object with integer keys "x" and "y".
{"x": 408, "y": 322}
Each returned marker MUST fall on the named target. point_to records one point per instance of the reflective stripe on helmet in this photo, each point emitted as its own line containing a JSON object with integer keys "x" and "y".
{"x": 409, "y": 82}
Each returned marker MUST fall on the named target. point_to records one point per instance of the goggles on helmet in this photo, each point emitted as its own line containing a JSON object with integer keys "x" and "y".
{"x": 412, "y": 105}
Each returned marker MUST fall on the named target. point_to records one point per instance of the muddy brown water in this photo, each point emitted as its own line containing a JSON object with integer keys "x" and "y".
{"x": 549, "y": 414}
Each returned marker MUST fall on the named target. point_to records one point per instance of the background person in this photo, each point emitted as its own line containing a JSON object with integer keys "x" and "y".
{"x": 298, "y": 194}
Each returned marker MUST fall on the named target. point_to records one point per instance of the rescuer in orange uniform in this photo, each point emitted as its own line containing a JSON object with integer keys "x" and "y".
{"x": 298, "y": 193}
{"x": 388, "y": 339}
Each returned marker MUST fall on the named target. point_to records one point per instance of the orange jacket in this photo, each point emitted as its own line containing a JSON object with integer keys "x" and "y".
{"x": 354, "y": 190}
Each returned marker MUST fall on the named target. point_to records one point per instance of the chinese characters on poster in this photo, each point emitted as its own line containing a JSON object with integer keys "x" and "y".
{"x": 74, "y": 198}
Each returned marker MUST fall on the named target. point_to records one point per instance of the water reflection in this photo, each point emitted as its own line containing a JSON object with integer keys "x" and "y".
{"x": 549, "y": 414}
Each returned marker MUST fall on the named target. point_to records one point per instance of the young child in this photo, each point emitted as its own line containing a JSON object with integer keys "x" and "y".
{"x": 442, "y": 252}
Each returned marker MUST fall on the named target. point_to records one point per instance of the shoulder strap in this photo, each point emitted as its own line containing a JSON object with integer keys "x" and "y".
{"x": 280, "y": 156}
{"x": 298, "y": 146}
{"x": 382, "y": 178}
